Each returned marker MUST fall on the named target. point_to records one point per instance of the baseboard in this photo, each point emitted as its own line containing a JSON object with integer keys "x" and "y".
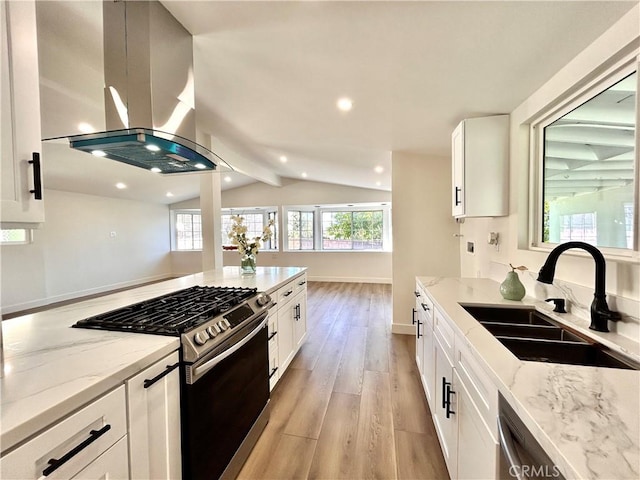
{"x": 349, "y": 279}
{"x": 403, "y": 329}
{"x": 82, "y": 294}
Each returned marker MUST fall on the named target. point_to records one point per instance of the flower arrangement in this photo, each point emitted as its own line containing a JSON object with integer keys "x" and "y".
{"x": 247, "y": 245}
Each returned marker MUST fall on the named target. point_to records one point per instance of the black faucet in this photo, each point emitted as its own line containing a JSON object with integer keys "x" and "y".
{"x": 600, "y": 313}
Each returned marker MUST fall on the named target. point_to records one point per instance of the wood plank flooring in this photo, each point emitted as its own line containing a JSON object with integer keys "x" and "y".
{"x": 351, "y": 405}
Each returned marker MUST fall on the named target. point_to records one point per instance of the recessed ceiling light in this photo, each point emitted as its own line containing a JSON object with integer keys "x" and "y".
{"x": 98, "y": 153}
{"x": 378, "y": 169}
{"x": 84, "y": 127}
{"x": 155, "y": 170}
{"x": 283, "y": 159}
{"x": 120, "y": 185}
{"x": 304, "y": 175}
{"x": 227, "y": 179}
{"x": 153, "y": 148}
{"x": 200, "y": 166}
{"x": 344, "y": 104}
{"x": 169, "y": 194}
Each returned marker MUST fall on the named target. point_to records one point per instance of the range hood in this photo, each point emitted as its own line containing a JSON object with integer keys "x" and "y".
{"x": 149, "y": 93}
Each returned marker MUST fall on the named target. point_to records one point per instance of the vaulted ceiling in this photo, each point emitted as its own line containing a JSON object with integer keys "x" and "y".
{"x": 268, "y": 75}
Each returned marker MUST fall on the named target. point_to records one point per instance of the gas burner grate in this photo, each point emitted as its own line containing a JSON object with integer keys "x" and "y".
{"x": 171, "y": 314}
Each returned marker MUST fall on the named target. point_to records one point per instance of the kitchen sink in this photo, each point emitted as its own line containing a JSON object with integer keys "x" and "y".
{"x": 531, "y": 335}
{"x": 573, "y": 353}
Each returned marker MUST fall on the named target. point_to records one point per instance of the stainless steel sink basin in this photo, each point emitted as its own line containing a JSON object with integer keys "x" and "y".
{"x": 531, "y": 335}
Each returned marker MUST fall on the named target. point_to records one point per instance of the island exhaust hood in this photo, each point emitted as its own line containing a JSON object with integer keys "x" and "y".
{"x": 149, "y": 93}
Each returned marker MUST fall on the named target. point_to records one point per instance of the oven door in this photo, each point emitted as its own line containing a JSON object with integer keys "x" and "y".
{"x": 225, "y": 405}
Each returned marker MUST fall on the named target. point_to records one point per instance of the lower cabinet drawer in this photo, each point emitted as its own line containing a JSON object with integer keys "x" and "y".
{"x": 70, "y": 445}
{"x": 111, "y": 465}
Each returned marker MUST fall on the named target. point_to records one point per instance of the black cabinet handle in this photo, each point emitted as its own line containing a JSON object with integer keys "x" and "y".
{"x": 450, "y": 392}
{"x": 413, "y": 316}
{"x": 288, "y": 293}
{"x": 444, "y": 389}
{"x": 458, "y": 201}
{"x": 272, "y": 335}
{"x": 302, "y": 283}
{"x": 56, "y": 463}
{"x": 37, "y": 176}
{"x": 169, "y": 369}
{"x": 425, "y": 307}
{"x": 273, "y": 372}
{"x": 416, "y": 293}
{"x": 297, "y": 313}
{"x": 418, "y": 328}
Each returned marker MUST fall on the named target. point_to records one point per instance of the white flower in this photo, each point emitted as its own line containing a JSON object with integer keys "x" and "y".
{"x": 238, "y": 236}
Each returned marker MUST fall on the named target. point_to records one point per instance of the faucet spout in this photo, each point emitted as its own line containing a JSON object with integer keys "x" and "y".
{"x": 600, "y": 312}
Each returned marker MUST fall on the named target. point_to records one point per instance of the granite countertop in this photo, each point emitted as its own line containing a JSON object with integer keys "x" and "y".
{"x": 585, "y": 418}
{"x": 52, "y": 369}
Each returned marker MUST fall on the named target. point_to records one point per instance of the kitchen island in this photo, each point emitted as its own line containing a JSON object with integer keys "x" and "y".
{"x": 52, "y": 370}
{"x": 585, "y": 418}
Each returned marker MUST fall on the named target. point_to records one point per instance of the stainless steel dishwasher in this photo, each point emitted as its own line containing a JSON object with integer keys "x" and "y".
{"x": 521, "y": 456}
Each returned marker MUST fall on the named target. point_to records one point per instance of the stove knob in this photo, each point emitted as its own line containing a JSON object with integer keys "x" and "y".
{"x": 223, "y": 326}
{"x": 201, "y": 338}
{"x": 217, "y": 328}
{"x": 263, "y": 299}
{"x": 226, "y": 322}
{"x": 213, "y": 333}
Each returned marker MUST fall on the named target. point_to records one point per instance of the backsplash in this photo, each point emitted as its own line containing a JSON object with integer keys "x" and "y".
{"x": 578, "y": 299}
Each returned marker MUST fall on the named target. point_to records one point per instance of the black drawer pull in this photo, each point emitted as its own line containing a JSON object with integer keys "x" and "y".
{"x": 450, "y": 392}
{"x": 458, "y": 201}
{"x": 169, "y": 369}
{"x": 37, "y": 176}
{"x": 288, "y": 293}
{"x": 425, "y": 307}
{"x": 413, "y": 316}
{"x": 273, "y": 372}
{"x": 55, "y": 463}
{"x": 302, "y": 283}
{"x": 418, "y": 328}
{"x": 272, "y": 335}
{"x": 416, "y": 293}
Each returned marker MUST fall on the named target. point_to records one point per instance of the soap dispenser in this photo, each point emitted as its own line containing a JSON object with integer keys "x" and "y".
{"x": 512, "y": 288}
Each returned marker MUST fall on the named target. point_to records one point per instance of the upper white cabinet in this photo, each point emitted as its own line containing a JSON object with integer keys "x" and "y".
{"x": 480, "y": 154}
{"x": 21, "y": 188}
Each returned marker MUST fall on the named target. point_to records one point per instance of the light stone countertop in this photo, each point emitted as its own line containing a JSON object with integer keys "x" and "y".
{"x": 585, "y": 418}
{"x": 52, "y": 370}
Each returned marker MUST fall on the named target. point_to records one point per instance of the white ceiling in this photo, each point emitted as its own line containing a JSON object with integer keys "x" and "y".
{"x": 268, "y": 74}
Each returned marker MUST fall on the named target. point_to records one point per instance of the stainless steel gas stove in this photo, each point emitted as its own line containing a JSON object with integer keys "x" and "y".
{"x": 223, "y": 369}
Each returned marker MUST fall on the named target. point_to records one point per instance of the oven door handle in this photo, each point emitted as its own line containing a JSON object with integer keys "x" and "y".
{"x": 509, "y": 449}
{"x": 208, "y": 365}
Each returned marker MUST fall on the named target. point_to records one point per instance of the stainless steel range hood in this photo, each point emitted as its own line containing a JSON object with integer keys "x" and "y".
{"x": 149, "y": 93}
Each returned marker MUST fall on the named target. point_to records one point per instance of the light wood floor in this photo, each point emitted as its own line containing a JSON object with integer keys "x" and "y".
{"x": 351, "y": 404}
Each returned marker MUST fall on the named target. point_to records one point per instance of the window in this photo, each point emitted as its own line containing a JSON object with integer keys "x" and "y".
{"x": 15, "y": 236}
{"x": 352, "y": 230}
{"x": 255, "y": 219}
{"x": 587, "y": 159}
{"x": 339, "y": 228}
{"x": 188, "y": 230}
{"x": 300, "y": 230}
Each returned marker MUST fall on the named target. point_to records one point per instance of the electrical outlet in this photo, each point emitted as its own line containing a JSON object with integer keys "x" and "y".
{"x": 471, "y": 247}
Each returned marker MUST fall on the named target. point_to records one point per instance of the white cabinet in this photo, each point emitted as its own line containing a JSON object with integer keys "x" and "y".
{"x": 153, "y": 398}
{"x": 74, "y": 445}
{"x": 20, "y": 117}
{"x": 480, "y": 163}
{"x": 461, "y": 396}
{"x": 109, "y": 465}
{"x": 477, "y": 449}
{"x": 288, "y": 319}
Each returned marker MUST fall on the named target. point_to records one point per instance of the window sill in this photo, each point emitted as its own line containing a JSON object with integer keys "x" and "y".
{"x": 632, "y": 258}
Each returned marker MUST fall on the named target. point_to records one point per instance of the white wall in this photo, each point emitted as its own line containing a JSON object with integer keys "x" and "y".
{"x": 423, "y": 228}
{"x": 327, "y": 266}
{"x": 575, "y": 273}
{"x": 74, "y": 253}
